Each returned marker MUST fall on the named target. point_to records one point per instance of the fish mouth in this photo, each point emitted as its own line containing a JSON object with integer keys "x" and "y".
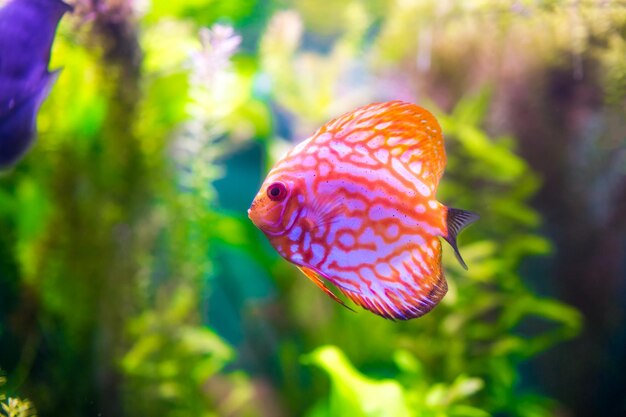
{"x": 267, "y": 219}
{"x": 254, "y": 215}
{"x": 258, "y": 215}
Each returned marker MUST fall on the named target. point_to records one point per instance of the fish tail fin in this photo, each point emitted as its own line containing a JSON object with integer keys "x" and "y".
{"x": 457, "y": 220}
{"x": 49, "y": 80}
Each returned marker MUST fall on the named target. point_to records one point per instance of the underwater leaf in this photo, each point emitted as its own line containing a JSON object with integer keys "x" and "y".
{"x": 167, "y": 46}
{"x": 408, "y": 363}
{"x": 6, "y": 202}
{"x": 545, "y": 308}
{"x": 464, "y": 386}
{"x": 355, "y": 394}
{"x": 466, "y": 411}
{"x": 442, "y": 395}
{"x": 503, "y": 164}
{"x": 552, "y": 322}
{"x": 140, "y": 353}
{"x": 33, "y": 207}
{"x": 471, "y": 110}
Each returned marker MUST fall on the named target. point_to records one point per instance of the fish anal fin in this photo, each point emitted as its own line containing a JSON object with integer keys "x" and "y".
{"x": 401, "y": 305}
{"x": 457, "y": 220}
{"x": 313, "y": 276}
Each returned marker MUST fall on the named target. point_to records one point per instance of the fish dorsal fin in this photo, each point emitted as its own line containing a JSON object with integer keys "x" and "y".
{"x": 402, "y": 135}
{"x": 313, "y": 276}
{"x": 457, "y": 220}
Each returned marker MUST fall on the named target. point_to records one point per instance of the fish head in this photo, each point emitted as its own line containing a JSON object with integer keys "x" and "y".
{"x": 275, "y": 208}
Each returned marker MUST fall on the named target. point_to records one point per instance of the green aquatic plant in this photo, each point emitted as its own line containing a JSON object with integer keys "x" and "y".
{"x": 13, "y": 406}
{"x": 173, "y": 358}
{"x": 100, "y": 261}
{"x": 355, "y": 394}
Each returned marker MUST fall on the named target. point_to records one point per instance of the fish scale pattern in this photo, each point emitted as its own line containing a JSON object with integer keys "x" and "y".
{"x": 362, "y": 213}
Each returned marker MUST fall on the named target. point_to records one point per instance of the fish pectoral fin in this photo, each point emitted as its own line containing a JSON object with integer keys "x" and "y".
{"x": 313, "y": 276}
{"x": 457, "y": 220}
{"x": 324, "y": 212}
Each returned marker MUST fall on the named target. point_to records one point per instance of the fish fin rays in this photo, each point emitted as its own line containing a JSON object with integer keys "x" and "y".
{"x": 48, "y": 82}
{"x": 394, "y": 305}
{"x": 457, "y": 220}
{"x": 414, "y": 131}
{"x": 324, "y": 213}
{"x": 411, "y": 285}
{"x": 401, "y": 305}
{"x": 314, "y": 276}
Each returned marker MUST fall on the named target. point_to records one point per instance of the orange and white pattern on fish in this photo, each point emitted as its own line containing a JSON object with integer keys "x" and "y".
{"x": 359, "y": 208}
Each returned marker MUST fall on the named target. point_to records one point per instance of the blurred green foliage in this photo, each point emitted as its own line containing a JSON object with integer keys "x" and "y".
{"x": 354, "y": 394}
{"x": 134, "y": 284}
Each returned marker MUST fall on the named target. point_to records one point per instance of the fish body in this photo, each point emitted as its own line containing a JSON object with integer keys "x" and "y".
{"x": 355, "y": 205}
{"x": 27, "y": 29}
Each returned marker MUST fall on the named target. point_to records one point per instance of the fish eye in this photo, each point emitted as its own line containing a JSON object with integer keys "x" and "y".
{"x": 277, "y": 191}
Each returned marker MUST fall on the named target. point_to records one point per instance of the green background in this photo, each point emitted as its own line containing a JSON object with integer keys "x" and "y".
{"x": 133, "y": 284}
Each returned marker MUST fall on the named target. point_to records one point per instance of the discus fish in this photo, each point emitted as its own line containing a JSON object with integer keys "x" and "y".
{"x": 354, "y": 205}
{"x": 27, "y": 29}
